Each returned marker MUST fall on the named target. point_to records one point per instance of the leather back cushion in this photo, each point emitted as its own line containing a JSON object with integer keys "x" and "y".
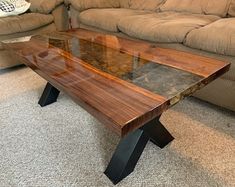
{"x": 124, "y": 3}
{"x": 82, "y": 5}
{"x": 44, "y": 7}
{"x": 231, "y": 11}
{"x": 214, "y": 7}
{"x": 145, "y": 4}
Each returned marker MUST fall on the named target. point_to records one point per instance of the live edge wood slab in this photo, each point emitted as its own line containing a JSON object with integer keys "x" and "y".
{"x": 126, "y": 84}
{"x": 93, "y": 68}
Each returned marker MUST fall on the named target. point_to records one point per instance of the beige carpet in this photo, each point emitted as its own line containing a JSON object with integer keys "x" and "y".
{"x": 62, "y": 145}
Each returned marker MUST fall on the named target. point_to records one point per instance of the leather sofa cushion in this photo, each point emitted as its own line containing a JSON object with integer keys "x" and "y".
{"x": 106, "y": 19}
{"x": 163, "y": 27}
{"x": 231, "y": 11}
{"x": 214, "y": 7}
{"x": 81, "y": 5}
{"x": 218, "y": 37}
{"x": 23, "y": 23}
{"x": 44, "y": 6}
{"x": 145, "y": 4}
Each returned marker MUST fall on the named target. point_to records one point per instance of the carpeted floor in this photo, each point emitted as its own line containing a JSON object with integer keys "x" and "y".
{"x": 62, "y": 145}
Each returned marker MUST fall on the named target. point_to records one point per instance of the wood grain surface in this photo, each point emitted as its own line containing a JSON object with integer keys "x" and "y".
{"x": 195, "y": 64}
{"x": 119, "y": 104}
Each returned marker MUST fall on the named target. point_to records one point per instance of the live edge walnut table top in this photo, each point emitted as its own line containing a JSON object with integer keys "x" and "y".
{"x": 126, "y": 84}
{"x": 121, "y": 82}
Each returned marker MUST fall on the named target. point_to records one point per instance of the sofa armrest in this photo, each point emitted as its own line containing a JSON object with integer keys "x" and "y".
{"x": 81, "y": 5}
{"x": 44, "y": 6}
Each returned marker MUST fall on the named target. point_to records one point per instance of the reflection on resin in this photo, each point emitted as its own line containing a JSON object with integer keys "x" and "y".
{"x": 160, "y": 79}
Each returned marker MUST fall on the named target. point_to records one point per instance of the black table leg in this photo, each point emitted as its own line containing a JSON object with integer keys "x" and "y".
{"x": 157, "y": 133}
{"x": 131, "y": 147}
{"x": 126, "y": 155}
{"x": 49, "y": 95}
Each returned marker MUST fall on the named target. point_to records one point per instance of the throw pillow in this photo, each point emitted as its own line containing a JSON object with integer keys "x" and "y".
{"x": 13, "y": 7}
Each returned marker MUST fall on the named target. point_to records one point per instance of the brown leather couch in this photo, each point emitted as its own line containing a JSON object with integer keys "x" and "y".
{"x": 43, "y": 16}
{"x": 205, "y": 27}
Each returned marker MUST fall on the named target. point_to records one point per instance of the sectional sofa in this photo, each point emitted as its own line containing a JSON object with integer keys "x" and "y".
{"x": 205, "y": 27}
{"x": 43, "y": 16}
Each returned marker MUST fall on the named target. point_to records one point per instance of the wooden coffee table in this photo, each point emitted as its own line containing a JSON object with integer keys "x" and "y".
{"x": 125, "y": 84}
